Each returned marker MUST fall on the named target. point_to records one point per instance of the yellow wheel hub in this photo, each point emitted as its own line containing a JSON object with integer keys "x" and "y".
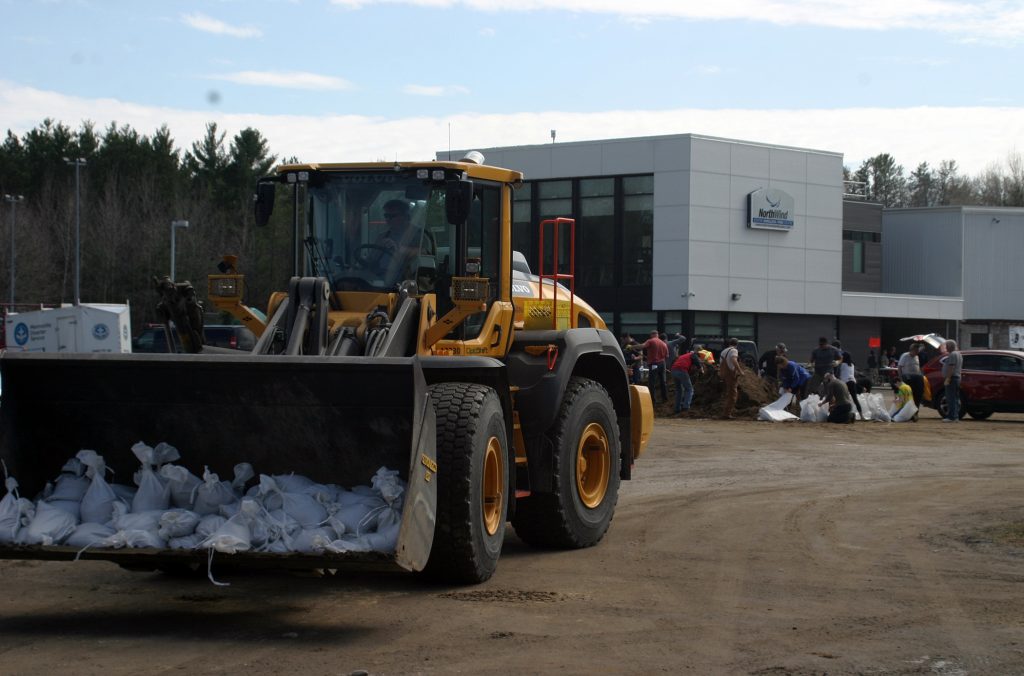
{"x": 593, "y": 465}
{"x": 493, "y": 486}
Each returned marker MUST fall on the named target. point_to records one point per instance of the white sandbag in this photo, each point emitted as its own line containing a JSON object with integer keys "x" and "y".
{"x": 212, "y": 493}
{"x": 775, "y": 415}
{"x": 182, "y": 483}
{"x": 153, "y": 494}
{"x": 148, "y": 521}
{"x": 69, "y": 487}
{"x": 10, "y": 512}
{"x": 876, "y": 404}
{"x": 292, "y": 483}
{"x": 98, "y": 502}
{"x": 286, "y": 524}
{"x": 810, "y": 411}
{"x": 89, "y": 535}
{"x": 302, "y": 507}
{"x": 124, "y": 492}
{"x": 186, "y": 542}
{"x": 235, "y": 535}
{"x": 776, "y": 411}
{"x": 72, "y": 507}
{"x": 176, "y": 523}
{"x": 906, "y": 413}
{"x": 209, "y": 524}
{"x": 49, "y": 526}
{"x": 389, "y": 485}
{"x": 243, "y": 473}
{"x": 382, "y": 541}
{"x": 352, "y": 515}
{"x": 311, "y": 540}
{"x": 133, "y": 539}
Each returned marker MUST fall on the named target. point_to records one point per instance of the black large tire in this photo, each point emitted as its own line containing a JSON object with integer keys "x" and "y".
{"x": 943, "y": 406}
{"x": 585, "y": 442}
{"x": 472, "y": 483}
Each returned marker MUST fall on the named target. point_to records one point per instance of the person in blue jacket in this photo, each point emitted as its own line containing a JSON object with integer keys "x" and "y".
{"x": 793, "y": 377}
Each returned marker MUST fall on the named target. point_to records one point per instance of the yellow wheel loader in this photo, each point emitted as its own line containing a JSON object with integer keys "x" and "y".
{"x": 412, "y": 336}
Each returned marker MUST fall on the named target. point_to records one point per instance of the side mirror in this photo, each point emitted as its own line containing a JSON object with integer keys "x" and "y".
{"x": 264, "y": 202}
{"x": 458, "y": 197}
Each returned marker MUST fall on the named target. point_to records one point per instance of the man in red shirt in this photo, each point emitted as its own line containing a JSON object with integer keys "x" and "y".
{"x": 657, "y": 352}
{"x": 681, "y": 373}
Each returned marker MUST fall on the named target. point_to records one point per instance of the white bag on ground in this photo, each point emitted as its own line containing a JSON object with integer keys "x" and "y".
{"x": 876, "y": 404}
{"x": 810, "y": 411}
{"x": 776, "y": 411}
{"x": 908, "y": 411}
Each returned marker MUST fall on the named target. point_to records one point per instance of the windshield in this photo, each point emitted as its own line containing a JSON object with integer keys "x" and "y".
{"x": 377, "y": 230}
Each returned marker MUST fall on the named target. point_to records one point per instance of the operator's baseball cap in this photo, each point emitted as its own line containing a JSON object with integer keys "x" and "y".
{"x": 781, "y": 346}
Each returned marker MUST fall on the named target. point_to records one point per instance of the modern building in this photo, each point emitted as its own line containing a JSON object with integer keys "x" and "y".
{"x": 971, "y": 252}
{"x": 717, "y": 237}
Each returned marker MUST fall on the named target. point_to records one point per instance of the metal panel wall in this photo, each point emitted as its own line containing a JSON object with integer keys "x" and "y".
{"x": 922, "y": 251}
{"x": 993, "y": 247}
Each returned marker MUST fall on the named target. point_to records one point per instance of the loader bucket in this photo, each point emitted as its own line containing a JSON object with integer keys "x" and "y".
{"x": 333, "y": 419}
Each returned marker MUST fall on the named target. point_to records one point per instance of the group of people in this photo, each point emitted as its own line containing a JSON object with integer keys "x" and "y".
{"x": 661, "y": 355}
{"x": 664, "y": 356}
{"x": 834, "y": 378}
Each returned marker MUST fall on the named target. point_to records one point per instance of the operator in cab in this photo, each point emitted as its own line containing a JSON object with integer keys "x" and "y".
{"x": 399, "y": 246}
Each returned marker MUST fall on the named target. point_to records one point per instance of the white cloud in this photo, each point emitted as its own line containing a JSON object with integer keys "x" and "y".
{"x": 487, "y": 32}
{"x": 974, "y": 19}
{"x": 285, "y": 80}
{"x": 708, "y": 70}
{"x": 207, "y": 24}
{"x": 973, "y": 136}
{"x": 434, "y": 90}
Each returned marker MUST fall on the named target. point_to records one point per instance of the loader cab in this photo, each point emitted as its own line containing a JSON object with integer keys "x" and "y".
{"x": 379, "y": 228}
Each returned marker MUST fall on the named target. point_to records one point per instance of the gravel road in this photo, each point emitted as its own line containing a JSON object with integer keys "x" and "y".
{"x": 740, "y": 548}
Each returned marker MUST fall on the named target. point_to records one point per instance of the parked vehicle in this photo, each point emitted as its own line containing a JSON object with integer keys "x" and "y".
{"x": 747, "y": 348}
{"x": 992, "y": 381}
{"x": 153, "y": 338}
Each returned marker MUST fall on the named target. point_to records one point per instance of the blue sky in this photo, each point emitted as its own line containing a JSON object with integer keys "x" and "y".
{"x": 926, "y": 80}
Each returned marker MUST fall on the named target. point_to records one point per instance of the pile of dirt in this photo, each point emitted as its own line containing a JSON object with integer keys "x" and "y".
{"x": 708, "y": 398}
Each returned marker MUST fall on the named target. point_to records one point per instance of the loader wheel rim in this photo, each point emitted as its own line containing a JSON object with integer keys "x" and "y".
{"x": 593, "y": 465}
{"x": 493, "y": 486}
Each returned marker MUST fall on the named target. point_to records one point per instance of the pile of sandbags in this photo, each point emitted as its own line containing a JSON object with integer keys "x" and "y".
{"x": 168, "y": 507}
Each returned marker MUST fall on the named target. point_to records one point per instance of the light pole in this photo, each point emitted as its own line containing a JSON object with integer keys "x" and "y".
{"x": 78, "y": 164}
{"x": 13, "y": 201}
{"x": 174, "y": 226}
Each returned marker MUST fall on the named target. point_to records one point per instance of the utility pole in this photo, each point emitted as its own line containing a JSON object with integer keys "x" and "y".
{"x": 174, "y": 226}
{"x": 13, "y": 201}
{"x": 78, "y": 163}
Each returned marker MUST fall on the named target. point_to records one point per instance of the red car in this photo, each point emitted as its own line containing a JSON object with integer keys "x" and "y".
{"x": 992, "y": 381}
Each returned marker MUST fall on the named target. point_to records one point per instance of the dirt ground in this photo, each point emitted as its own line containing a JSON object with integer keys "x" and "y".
{"x": 740, "y": 547}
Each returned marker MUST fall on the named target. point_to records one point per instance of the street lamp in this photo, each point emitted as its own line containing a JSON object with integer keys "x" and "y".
{"x": 174, "y": 226}
{"x": 13, "y": 201}
{"x": 78, "y": 164}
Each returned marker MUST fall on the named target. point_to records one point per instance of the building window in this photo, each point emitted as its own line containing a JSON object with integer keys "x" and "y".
{"x": 979, "y": 340}
{"x": 707, "y": 324}
{"x": 673, "y": 322}
{"x": 637, "y": 230}
{"x": 858, "y": 257}
{"x": 595, "y": 233}
{"x": 554, "y": 200}
{"x": 523, "y": 227}
{"x": 638, "y": 324}
{"x": 741, "y": 325}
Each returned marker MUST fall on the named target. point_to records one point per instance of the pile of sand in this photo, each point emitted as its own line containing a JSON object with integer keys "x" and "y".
{"x": 708, "y": 399}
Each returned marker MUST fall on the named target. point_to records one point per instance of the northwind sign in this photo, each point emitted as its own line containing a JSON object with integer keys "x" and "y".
{"x": 770, "y": 209}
